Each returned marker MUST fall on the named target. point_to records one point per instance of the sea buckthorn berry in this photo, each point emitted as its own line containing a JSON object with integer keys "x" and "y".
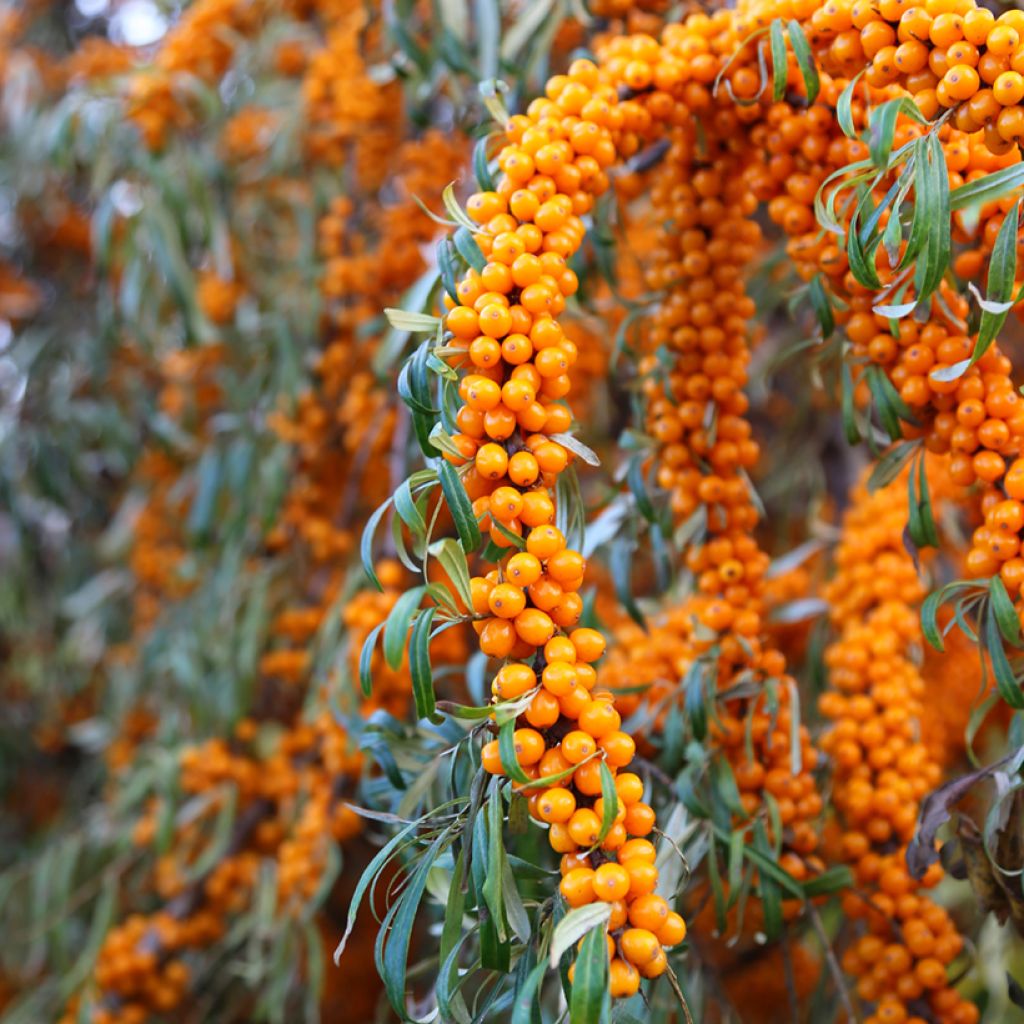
{"x": 544, "y": 710}
{"x": 639, "y": 945}
{"x": 518, "y": 395}
{"x": 529, "y": 746}
{"x": 497, "y": 638}
{"x": 656, "y": 967}
{"x": 585, "y": 827}
{"x": 599, "y": 719}
{"x": 630, "y": 787}
{"x": 506, "y": 504}
{"x": 522, "y": 569}
{"x": 560, "y": 648}
{"x": 611, "y": 882}
{"x": 577, "y": 746}
{"x": 559, "y": 677}
{"x": 491, "y": 759}
{"x": 480, "y": 393}
{"x": 577, "y": 887}
{"x": 463, "y": 322}
{"x": 523, "y": 469}
{"x": 673, "y": 931}
{"x": 506, "y": 601}
{"x": 589, "y": 644}
{"x": 623, "y": 979}
{"x": 491, "y": 461}
{"x": 514, "y": 680}
{"x": 545, "y": 541}
{"x": 557, "y": 805}
{"x": 638, "y": 848}
{"x": 534, "y": 626}
{"x": 538, "y": 510}
{"x": 649, "y": 912}
{"x": 639, "y": 819}
{"x": 643, "y": 877}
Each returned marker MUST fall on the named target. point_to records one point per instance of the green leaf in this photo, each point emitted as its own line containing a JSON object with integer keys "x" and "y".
{"x": 419, "y": 664}
{"x": 396, "y": 626}
{"x": 366, "y": 542}
{"x": 931, "y": 205}
{"x": 638, "y": 486}
{"x": 507, "y": 752}
{"x": 577, "y": 447}
{"x": 891, "y": 408}
{"x": 821, "y": 305}
{"x": 922, "y": 527}
{"x": 610, "y": 796}
{"x": 1006, "y": 680}
{"x": 589, "y": 999}
{"x": 835, "y": 879}
{"x": 412, "y": 322}
{"x": 1002, "y": 276}
{"x": 1004, "y": 612}
{"x": 848, "y": 409}
{"x": 528, "y": 996}
{"x": 446, "y": 267}
{"x": 771, "y": 895}
{"x": 987, "y": 189}
{"x": 452, "y": 558}
{"x": 929, "y": 619}
{"x": 409, "y": 511}
{"x": 882, "y": 127}
{"x": 204, "y": 503}
{"x": 460, "y": 506}
{"x": 888, "y": 467}
{"x": 456, "y": 212}
{"x": 778, "y": 45}
{"x": 465, "y": 243}
{"x": 844, "y": 108}
{"x": 368, "y": 877}
{"x": 577, "y": 923}
{"x": 492, "y": 888}
{"x": 481, "y": 168}
{"x": 392, "y": 946}
{"x": 365, "y": 658}
{"x": 804, "y": 60}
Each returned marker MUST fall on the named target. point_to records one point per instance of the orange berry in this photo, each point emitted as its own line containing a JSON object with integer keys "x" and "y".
{"x": 584, "y": 827}
{"x": 611, "y": 882}
{"x": 491, "y": 759}
{"x": 649, "y": 912}
{"x": 545, "y": 541}
{"x": 534, "y": 626}
{"x": 529, "y": 746}
{"x": 639, "y": 945}
{"x": 639, "y": 819}
{"x": 522, "y": 569}
{"x": 577, "y": 887}
{"x": 577, "y": 746}
{"x": 514, "y": 680}
{"x": 623, "y": 979}
{"x": 556, "y": 805}
{"x": 673, "y": 931}
{"x": 589, "y": 644}
{"x": 506, "y": 601}
{"x": 619, "y": 748}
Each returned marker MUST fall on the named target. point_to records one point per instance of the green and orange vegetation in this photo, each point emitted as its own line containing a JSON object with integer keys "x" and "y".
{"x": 526, "y": 498}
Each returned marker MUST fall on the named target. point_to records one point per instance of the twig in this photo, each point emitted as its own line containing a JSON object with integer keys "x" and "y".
{"x": 833, "y": 964}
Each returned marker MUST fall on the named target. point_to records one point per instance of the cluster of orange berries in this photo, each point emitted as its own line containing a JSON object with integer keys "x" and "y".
{"x": 883, "y": 767}
{"x": 945, "y": 53}
{"x": 504, "y": 330}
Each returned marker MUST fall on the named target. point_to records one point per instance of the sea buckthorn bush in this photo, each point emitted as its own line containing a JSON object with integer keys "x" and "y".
{"x": 511, "y": 511}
